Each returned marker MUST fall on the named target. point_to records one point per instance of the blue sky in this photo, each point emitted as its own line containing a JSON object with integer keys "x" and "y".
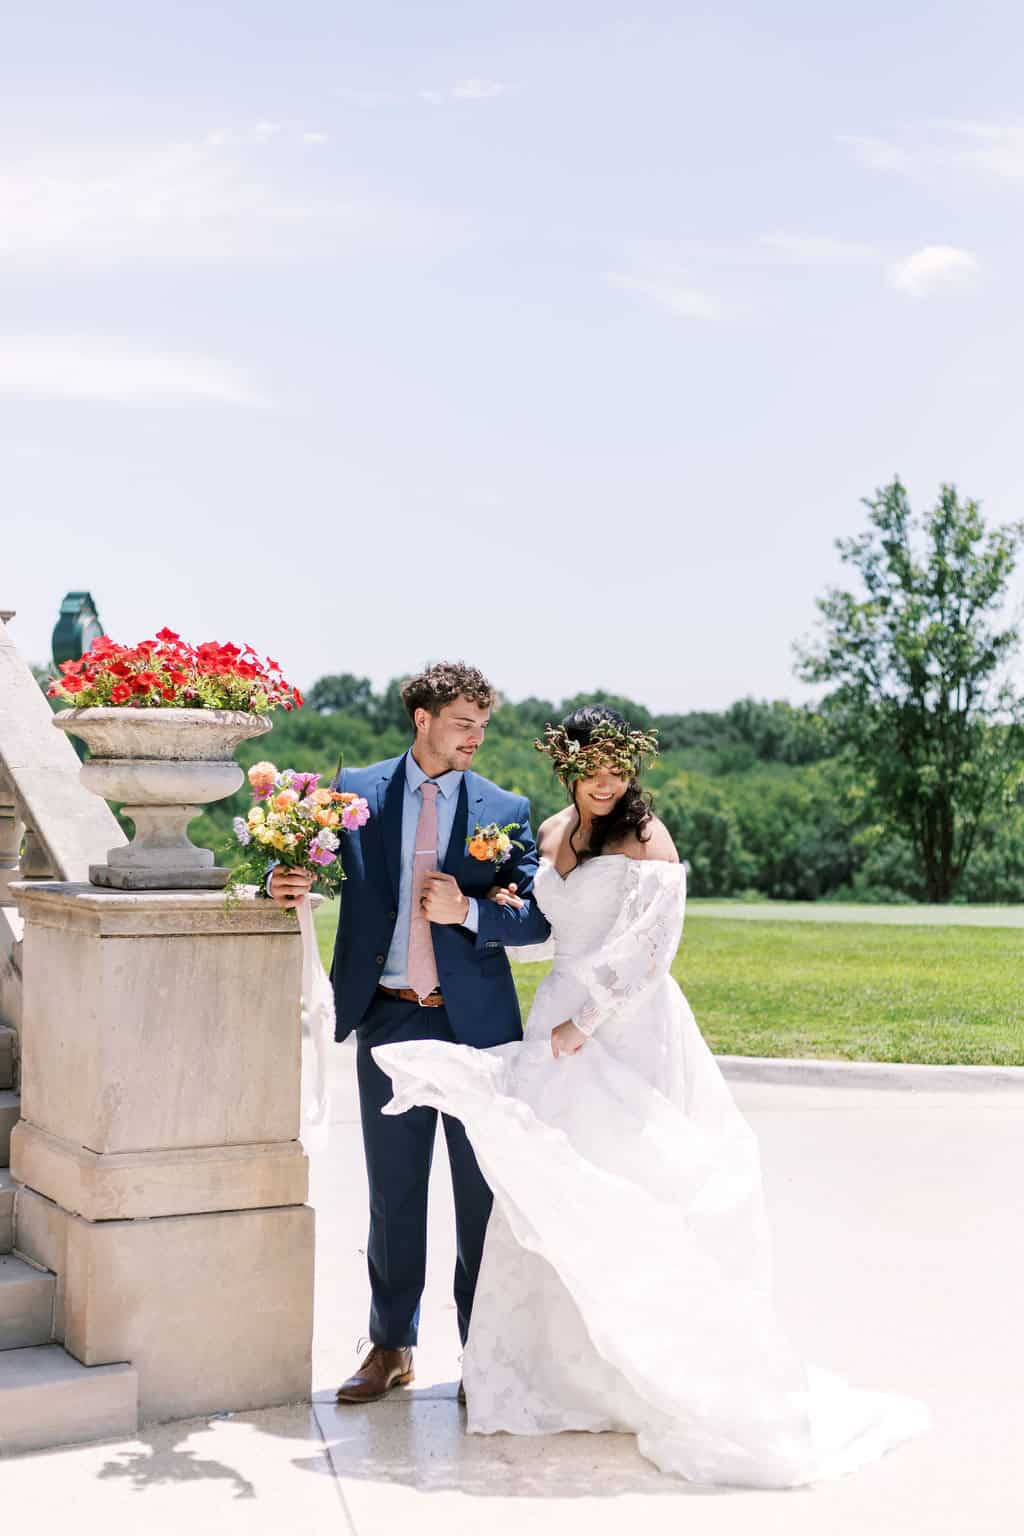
{"x": 559, "y": 338}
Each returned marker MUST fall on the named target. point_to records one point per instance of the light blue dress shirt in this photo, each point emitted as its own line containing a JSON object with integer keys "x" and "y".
{"x": 395, "y": 973}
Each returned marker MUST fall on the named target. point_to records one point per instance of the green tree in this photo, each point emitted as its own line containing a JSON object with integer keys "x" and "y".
{"x": 703, "y": 825}
{"x": 341, "y": 691}
{"x": 389, "y": 711}
{"x": 916, "y": 665}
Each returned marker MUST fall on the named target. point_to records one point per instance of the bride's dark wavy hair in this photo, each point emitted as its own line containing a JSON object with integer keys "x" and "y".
{"x": 632, "y": 813}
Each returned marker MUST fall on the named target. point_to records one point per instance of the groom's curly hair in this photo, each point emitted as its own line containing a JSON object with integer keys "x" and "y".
{"x": 439, "y": 684}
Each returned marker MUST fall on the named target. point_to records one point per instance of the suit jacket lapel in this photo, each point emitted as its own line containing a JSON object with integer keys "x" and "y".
{"x": 390, "y": 801}
{"x": 467, "y": 811}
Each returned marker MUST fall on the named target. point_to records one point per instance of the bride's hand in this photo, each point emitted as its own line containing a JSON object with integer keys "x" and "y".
{"x": 566, "y": 1039}
{"x": 505, "y": 896}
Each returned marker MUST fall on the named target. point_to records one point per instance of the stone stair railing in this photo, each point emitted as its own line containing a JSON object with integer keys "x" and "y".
{"x": 50, "y": 829}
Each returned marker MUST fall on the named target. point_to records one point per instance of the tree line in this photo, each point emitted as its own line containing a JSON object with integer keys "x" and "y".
{"x": 901, "y": 784}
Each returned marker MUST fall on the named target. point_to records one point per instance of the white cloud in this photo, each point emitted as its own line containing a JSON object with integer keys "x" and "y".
{"x": 998, "y": 151}
{"x": 258, "y": 133}
{"x": 111, "y": 370}
{"x": 314, "y": 138}
{"x": 478, "y": 90}
{"x": 932, "y": 269}
{"x": 671, "y": 293}
{"x": 985, "y": 148}
{"x": 880, "y": 155}
{"x": 473, "y": 89}
{"x": 465, "y": 90}
{"x": 358, "y": 98}
{"x": 820, "y": 251}
{"x": 192, "y": 204}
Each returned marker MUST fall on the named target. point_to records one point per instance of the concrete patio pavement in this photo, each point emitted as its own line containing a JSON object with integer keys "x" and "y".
{"x": 900, "y": 1251}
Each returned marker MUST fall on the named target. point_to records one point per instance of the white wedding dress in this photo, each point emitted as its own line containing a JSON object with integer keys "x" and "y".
{"x": 626, "y": 1276}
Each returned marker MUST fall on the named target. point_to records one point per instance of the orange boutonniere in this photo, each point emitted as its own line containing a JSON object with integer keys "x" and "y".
{"x": 493, "y": 844}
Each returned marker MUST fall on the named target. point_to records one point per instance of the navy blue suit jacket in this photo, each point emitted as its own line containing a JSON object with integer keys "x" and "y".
{"x": 473, "y": 969}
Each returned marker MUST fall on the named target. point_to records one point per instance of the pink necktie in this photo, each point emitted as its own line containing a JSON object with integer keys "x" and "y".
{"x": 422, "y": 967}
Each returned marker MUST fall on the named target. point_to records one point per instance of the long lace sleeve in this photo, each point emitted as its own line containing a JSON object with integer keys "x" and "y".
{"x": 640, "y": 948}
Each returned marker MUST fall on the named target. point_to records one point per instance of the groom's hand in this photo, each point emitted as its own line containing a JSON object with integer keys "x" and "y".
{"x": 288, "y": 886}
{"x": 442, "y": 901}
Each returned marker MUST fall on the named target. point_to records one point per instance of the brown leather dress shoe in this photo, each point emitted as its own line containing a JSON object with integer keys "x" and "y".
{"x": 380, "y": 1371}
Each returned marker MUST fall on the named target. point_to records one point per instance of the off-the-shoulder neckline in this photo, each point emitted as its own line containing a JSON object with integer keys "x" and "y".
{"x": 664, "y": 863}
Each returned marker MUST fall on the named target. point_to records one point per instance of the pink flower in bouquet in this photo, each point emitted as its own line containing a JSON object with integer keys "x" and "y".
{"x": 304, "y": 783}
{"x": 355, "y": 815}
{"x": 321, "y": 856}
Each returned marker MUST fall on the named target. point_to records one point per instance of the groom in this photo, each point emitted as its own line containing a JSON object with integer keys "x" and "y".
{"x": 420, "y": 955}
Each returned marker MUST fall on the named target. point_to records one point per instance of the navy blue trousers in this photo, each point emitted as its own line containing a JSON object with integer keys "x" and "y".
{"x": 399, "y": 1150}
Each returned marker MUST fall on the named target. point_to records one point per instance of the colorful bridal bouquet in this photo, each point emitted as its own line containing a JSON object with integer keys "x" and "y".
{"x": 296, "y": 823}
{"x": 169, "y": 673}
{"x": 493, "y": 844}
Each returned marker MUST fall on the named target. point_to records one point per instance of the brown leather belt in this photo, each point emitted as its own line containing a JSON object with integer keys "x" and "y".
{"x": 407, "y": 995}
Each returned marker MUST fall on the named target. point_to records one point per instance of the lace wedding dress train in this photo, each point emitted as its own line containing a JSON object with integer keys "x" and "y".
{"x": 626, "y": 1276}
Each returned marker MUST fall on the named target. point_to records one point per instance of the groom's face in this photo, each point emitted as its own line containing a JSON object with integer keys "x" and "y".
{"x": 451, "y": 737}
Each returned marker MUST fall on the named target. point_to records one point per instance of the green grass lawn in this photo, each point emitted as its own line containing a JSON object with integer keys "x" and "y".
{"x": 853, "y": 991}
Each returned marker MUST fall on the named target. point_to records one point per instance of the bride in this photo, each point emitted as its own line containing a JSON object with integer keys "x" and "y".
{"x": 626, "y": 1275}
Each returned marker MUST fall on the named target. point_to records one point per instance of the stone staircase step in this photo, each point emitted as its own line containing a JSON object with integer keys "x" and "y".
{"x": 7, "y": 1188}
{"x": 6, "y": 1057}
{"x": 26, "y": 1303}
{"x": 10, "y": 1112}
{"x": 47, "y": 1398}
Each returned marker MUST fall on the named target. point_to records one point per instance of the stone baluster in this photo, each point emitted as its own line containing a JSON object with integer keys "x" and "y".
{"x": 12, "y": 831}
{"x": 35, "y": 861}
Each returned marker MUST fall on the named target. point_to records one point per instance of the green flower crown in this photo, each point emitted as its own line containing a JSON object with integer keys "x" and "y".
{"x": 610, "y": 746}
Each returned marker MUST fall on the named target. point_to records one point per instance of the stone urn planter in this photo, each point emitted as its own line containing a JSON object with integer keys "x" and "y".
{"x": 164, "y": 765}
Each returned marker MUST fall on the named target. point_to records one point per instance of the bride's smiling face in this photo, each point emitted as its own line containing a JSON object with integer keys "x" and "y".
{"x": 601, "y": 792}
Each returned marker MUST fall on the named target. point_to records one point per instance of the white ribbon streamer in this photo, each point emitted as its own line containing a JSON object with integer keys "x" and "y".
{"x": 317, "y": 1034}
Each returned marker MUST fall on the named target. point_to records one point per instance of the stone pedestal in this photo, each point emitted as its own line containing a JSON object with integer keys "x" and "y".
{"x": 160, "y": 1104}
